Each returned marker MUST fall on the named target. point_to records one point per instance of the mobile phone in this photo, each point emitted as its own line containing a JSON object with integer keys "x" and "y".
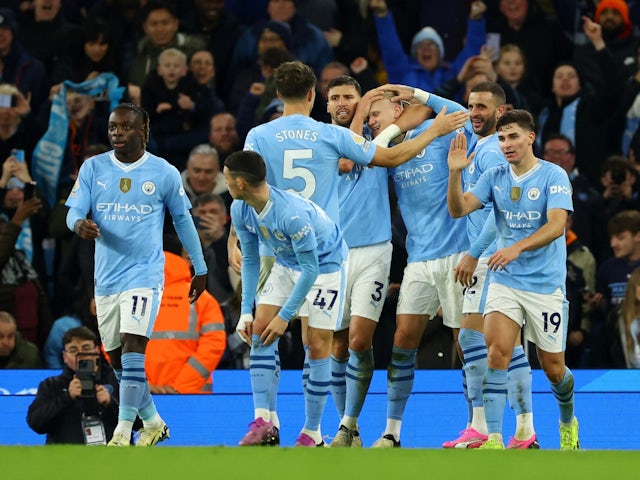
{"x": 29, "y": 190}
{"x": 18, "y": 153}
{"x": 493, "y": 44}
{"x": 13, "y": 182}
{"x": 5, "y": 100}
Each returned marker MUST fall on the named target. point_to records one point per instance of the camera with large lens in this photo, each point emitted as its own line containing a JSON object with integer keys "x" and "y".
{"x": 88, "y": 372}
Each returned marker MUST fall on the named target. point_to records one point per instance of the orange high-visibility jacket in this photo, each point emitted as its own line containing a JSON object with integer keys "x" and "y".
{"x": 188, "y": 340}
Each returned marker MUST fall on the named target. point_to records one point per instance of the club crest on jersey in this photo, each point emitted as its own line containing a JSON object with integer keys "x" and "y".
{"x": 265, "y": 232}
{"x": 533, "y": 194}
{"x": 125, "y": 185}
{"x": 515, "y": 193}
{"x": 279, "y": 236}
{"x": 148, "y": 188}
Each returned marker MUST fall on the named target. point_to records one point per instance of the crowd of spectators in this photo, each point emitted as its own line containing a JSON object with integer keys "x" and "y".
{"x": 203, "y": 70}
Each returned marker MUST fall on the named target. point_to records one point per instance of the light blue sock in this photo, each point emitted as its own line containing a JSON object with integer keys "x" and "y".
{"x": 359, "y": 374}
{"x": 276, "y": 381}
{"x": 132, "y": 385}
{"x": 262, "y": 369}
{"x": 563, "y": 391}
{"x": 474, "y": 351}
{"x": 519, "y": 382}
{"x": 317, "y": 392}
{"x": 147, "y": 409}
{"x": 494, "y": 395}
{"x": 305, "y": 370}
{"x": 339, "y": 383}
{"x": 400, "y": 380}
{"x": 465, "y": 390}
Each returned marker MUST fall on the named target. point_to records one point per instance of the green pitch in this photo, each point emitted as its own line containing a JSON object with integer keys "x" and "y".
{"x": 182, "y": 463}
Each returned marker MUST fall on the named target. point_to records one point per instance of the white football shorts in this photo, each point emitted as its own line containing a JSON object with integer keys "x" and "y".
{"x": 545, "y": 315}
{"x": 428, "y": 285}
{"x": 323, "y": 304}
{"x": 367, "y": 282}
{"x": 133, "y": 311}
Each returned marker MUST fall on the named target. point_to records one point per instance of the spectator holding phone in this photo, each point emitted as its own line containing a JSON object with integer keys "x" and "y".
{"x": 16, "y": 185}
{"x": 17, "y": 127}
{"x": 18, "y": 66}
{"x": 619, "y": 181}
{"x": 21, "y": 293}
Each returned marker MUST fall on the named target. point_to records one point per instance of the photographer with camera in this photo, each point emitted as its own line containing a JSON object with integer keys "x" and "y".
{"x": 619, "y": 181}
{"x": 81, "y": 404}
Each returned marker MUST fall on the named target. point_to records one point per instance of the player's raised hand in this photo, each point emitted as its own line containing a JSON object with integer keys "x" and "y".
{"x": 404, "y": 93}
{"x": 365, "y": 102}
{"x": 457, "y": 158}
{"x": 444, "y": 124}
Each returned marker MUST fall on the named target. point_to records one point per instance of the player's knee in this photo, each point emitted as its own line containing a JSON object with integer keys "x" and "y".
{"x": 133, "y": 343}
{"x": 360, "y": 343}
{"x": 498, "y": 358}
{"x": 554, "y": 371}
{"x": 404, "y": 338}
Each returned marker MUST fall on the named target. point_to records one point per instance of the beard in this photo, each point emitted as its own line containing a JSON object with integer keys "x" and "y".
{"x": 612, "y": 33}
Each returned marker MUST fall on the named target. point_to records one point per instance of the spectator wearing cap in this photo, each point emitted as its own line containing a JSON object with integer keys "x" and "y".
{"x": 18, "y": 66}
{"x": 307, "y": 41}
{"x": 425, "y": 68}
{"x": 620, "y": 37}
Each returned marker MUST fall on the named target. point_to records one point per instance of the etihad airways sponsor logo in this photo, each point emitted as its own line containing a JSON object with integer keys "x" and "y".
{"x": 123, "y": 212}
{"x": 113, "y": 207}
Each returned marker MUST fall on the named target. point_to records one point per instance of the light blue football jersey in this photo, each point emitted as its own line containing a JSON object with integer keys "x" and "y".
{"x": 520, "y": 208}
{"x": 487, "y": 155}
{"x": 128, "y": 202}
{"x": 421, "y": 186}
{"x": 288, "y": 224}
{"x": 365, "y": 215}
{"x": 302, "y": 156}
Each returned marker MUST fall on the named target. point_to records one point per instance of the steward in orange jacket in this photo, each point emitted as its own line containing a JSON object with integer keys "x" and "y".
{"x": 188, "y": 340}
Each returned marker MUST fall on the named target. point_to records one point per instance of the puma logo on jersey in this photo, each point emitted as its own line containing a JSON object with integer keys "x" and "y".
{"x": 103, "y": 185}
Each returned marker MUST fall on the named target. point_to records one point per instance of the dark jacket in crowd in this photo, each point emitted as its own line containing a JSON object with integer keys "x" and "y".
{"x": 55, "y": 414}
